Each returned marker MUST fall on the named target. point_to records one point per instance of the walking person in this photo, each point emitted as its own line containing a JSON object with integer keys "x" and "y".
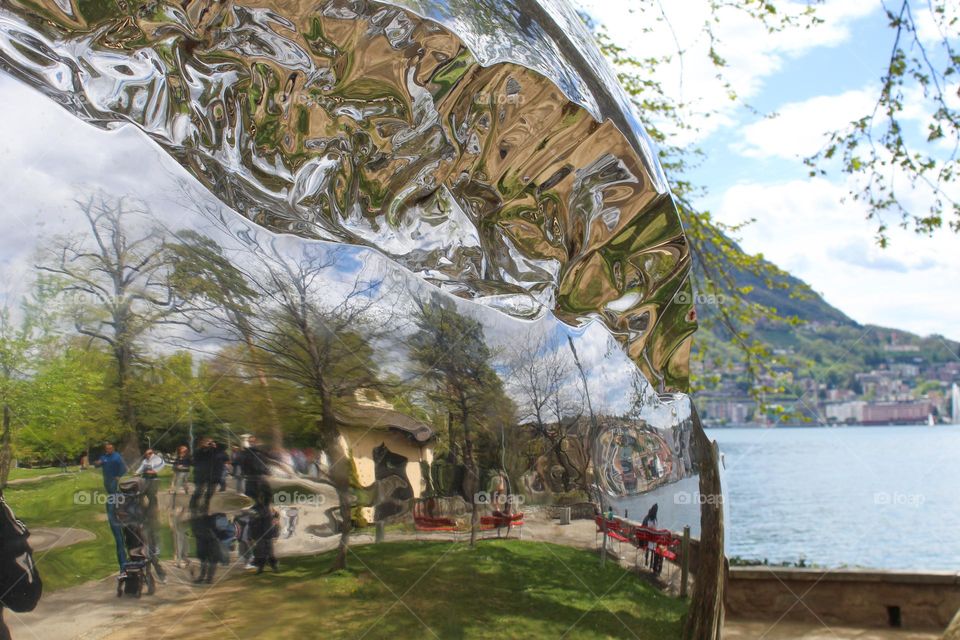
{"x": 264, "y": 531}
{"x": 204, "y": 480}
{"x": 181, "y": 469}
{"x": 113, "y": 468}
{"x": 149, "y": 470}
{"x": 253, "y": 463}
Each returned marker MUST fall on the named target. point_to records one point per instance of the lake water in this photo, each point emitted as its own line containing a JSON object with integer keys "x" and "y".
{"x": 879, "y": 497}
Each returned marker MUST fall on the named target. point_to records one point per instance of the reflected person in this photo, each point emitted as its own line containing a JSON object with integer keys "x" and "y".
{"x": 113, "y": 468}
{"x": 202, "y": 526}
{"x": 148, "y": 470}
{"x": 20, "y": 584}
{"x": 265, "y": 529}
{"x": 253, "y": 464}
{"x": 206, "y": 474}
{"x": 181, "y": 469}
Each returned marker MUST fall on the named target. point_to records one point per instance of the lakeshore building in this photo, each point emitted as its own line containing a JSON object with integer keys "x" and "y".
{"x": 743, "y": 411}
{"x": 869, "y": 413}
{"x": 849, "y": 412}
{"x": 896, "y": 412}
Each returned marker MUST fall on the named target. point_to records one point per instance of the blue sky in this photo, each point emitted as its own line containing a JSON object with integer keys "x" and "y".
{"x": 815, "y": 80}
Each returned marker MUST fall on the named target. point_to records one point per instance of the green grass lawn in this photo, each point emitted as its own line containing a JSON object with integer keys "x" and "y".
{"x": 501, "y": 589}
{"x": 54, "y": 502}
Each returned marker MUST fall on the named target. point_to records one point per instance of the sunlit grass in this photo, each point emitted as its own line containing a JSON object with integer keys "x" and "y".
{"x": 501, "y": 589}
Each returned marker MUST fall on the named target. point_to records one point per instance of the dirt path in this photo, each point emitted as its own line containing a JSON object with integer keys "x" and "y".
{"x": 18, "y": 481}
{"x": 45, "y": 538}
{"x": 93, "y": 610}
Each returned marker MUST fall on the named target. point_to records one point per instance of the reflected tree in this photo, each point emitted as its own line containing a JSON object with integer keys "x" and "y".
{"x": 540, "y": 375}
{"x": 451, "y": 356}
{"x": 16, "y": 343}
{"x": 307, "y": 334}
{"x": 115, "y": 281}
{"x": 51, "y": 387}
{"x": 202, "y": 273}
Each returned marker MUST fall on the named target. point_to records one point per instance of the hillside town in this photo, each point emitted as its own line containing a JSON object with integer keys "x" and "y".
{"x": 904, "y": 387}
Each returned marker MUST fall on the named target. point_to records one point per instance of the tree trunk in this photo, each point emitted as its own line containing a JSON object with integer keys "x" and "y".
{"x": 705, "y": 618}
{"x": 5, "y": 456}
{"x": 472, "y": 477}
{"x": 594, "y": 429}
{"x": 452, "y": 453}
{"x": 129, "y": 442}
{"x": 276, "y": 429}
{"x": 340, "y": 467}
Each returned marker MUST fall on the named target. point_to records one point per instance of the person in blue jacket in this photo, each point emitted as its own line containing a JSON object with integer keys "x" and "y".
{"x": 113, "y": 468}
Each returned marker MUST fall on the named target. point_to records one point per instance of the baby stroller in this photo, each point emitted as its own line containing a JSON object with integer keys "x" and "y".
{"x": 243, "y": 523}
{"x": 131, "y": 511}
{"x": 214, "y": 535}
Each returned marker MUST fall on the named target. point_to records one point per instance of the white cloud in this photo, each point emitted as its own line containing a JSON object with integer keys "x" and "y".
{"x": 799, "y": 129}
{"x": 751, "y": 52}
{"x": 807, "y": 228}
{"x": 862, "y": 253}
{"x": 932, "y": 29}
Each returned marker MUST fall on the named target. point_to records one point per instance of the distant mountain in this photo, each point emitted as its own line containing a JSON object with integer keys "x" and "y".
{"x": 827, "y": 346}
{"x": 793, "y": 297}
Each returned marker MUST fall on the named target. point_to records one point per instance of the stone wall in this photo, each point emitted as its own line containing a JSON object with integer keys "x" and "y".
{"x": 844, "y": 597}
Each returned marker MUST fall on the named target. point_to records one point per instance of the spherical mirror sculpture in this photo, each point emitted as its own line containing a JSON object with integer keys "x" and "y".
{"x": 431, "y": 239}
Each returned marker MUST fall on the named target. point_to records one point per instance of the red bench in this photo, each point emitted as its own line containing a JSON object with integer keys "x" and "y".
{"x": 432, "y": 524}
{"x": 425, "y": 523}
{"x": 665, "y": 543}
{"x": 499, "y": 520}
{"x": 616, "y": 530}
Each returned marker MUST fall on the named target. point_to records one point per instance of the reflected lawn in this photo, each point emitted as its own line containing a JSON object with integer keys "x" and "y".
{"x": 501, "y": 589}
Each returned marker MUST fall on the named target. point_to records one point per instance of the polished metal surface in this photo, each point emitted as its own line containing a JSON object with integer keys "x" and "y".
{"x": 457, "y": 274}
{"x": 484, "y": 145}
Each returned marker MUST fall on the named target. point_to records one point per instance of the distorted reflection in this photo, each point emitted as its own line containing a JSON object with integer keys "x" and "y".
{"x": 470, "y": 147}
{"x": 385, "y": 278}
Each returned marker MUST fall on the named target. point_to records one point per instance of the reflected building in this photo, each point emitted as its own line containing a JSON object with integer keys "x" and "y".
{"x": 391, "y": 452}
